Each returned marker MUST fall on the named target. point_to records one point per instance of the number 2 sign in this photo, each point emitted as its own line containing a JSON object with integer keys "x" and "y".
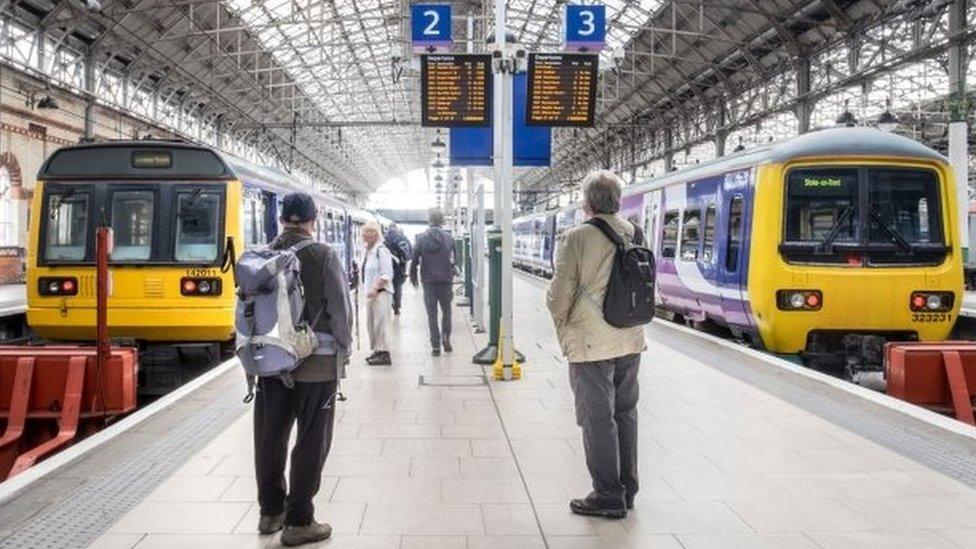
{"x": 430, "y": 26}
{"x": 585, "y": 27}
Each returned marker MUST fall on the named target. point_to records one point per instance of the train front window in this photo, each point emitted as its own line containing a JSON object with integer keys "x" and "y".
{"x": 198, "y": 226}
{"x": 132, "y": 224}
{"x": 67, "y": 226}
{"x": 861, "y": 216}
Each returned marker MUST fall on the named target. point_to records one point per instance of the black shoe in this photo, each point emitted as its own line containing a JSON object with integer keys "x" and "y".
{"x": 594, "y": 506}
{"x": 396, "y": 312}
{"x": 630, "y": 504}
{"x": 435, "y": 351}
{"x": 379, "y": 358}
{"x": 447, "y": 346}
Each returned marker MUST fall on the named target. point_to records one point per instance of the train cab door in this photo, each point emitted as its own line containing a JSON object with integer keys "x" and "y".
{"x": 733, "y": 247}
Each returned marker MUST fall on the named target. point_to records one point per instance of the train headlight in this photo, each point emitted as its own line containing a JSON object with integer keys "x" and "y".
{"x": 799, "y": 300}
{"x": 931, "y": 301}
{"x": 200, "y": 286}
{"x": 57, "y": 285}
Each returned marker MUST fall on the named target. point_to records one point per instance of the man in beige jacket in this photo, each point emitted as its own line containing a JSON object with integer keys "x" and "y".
{"x": 603, "y": 360}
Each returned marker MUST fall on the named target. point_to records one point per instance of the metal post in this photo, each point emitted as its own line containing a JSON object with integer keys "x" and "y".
{"x": 478, "y": 253}
{"x": 958, "y": 128}
{"x": 103, "y": 348}
{"x": 503, "y": 165}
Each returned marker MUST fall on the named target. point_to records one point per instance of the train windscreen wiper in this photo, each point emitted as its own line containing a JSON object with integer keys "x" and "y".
{"x": 892, "y": 232}
{"x": 59, "y": 201}
{"x": 838, "y": 225}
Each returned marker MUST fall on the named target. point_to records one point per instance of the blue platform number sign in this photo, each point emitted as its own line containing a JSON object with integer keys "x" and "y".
{"x": 586, "y": 27}
{"x": 430, "y": 27}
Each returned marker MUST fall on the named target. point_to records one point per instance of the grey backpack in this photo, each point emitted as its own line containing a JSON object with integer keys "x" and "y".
{"x": 272, "y": 339}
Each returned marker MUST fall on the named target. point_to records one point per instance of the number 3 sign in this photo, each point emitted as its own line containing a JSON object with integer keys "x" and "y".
{"x": 586, "y": 27}
{"x": 430, "y": 26}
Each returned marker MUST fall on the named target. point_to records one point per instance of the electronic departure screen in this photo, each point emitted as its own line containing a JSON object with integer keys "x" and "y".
{"x": 455, "y": 90}
{"x": 562, "y": 89}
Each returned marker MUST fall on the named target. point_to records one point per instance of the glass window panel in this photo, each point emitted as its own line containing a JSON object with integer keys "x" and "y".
{"x": 67, "y": 227}
{"x": 197, "y": 227}
{"x": 132, "y": 223}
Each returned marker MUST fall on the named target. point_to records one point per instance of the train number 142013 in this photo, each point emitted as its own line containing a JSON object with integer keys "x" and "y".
{"x": 931, "y": 317}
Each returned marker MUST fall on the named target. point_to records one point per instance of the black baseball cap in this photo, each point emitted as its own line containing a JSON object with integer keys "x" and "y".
{"x": 298, "y": 208}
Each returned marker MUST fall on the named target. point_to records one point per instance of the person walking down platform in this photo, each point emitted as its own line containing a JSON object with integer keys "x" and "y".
{"x": 603, "y": 360}
{"x": 311, "y": 400}
{"x": 377, "y": 279}
{"x": 433, "y": 256}
{"x": 399, "y": 246}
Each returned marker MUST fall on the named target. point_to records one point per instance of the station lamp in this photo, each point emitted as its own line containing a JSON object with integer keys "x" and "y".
{"x": 438, "y": 145}
{"x": 888, "y": 121}
{"x": 847, "y": 118}
{"x": 740, "y": 146}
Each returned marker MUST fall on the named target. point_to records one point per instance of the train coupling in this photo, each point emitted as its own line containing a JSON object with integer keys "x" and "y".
{"x": 863, "y": 353}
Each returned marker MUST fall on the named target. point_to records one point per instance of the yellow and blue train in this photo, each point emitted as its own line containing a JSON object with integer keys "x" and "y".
{"x": 824, "y": 246}
{"x": 179, "y": 213}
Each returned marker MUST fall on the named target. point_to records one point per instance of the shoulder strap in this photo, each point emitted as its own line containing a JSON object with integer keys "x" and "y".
{"x": 301, "y": 245}
{"x": 607, "y": 231}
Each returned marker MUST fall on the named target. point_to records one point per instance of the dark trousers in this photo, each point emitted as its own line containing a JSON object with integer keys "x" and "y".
{"x": 606, "y": 394}
{"x": 397, "y": 295}
{"x": 276, "y": 409}
{"x": 438, "y": 294}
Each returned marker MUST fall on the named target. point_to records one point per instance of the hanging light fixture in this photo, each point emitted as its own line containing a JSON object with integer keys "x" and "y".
{"x": 888, "y": 121}
{"x": 47, "y": 102}
{"x": 740, "y": 146}
{"x": 438, "y": 144}
{"x": 847, "y": 118}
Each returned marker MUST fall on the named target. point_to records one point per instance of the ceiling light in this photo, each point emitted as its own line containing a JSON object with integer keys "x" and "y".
{"x": 438, "y": 144}
{"x": 47, "y": 102}
{"x": 888, "y": 121}
{"x": 846, "y": 118}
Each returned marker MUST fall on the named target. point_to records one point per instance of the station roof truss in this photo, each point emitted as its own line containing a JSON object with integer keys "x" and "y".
{"x": 702, "y": 74}
{"x": 329, "y": 88}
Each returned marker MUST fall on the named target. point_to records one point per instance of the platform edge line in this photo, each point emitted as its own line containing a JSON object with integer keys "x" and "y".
{"x": 915, "y": 412}
{"x": 14, "y": 487}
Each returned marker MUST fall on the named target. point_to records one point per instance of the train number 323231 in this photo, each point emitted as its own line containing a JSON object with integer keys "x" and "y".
{"x": 931, "y": 317}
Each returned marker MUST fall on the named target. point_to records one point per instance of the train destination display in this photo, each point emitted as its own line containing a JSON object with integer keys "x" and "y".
{"x": 455, "y": 90}
{"x": 562, "y": 89}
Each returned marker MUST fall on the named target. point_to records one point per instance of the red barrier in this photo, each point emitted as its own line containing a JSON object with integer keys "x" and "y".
{"x": 939, "y": 376}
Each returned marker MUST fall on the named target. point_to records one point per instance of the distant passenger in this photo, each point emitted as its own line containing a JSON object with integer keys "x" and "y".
{"x": 433, "y": 255}
{"x": 603, "y": 360}
{"x": 377, "y": 279}
{"x": 399, "y": 246}
{"x": 311, "y": 401}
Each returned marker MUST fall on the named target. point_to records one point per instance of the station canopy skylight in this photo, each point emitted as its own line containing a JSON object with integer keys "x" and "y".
{"x": 344, "y": 55}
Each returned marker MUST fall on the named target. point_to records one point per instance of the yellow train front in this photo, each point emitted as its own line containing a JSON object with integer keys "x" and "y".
{"x": 179, "y": 214}
{"x": 854, "y": 242}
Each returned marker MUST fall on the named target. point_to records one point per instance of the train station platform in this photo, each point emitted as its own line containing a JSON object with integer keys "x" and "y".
{"x": 736, "y": 450}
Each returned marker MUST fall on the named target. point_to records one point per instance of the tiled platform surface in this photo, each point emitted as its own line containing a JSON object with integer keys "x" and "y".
{"x": 724, "y": 464}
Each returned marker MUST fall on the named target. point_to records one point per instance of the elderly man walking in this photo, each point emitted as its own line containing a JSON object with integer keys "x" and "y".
{"x": 603, "y": 360}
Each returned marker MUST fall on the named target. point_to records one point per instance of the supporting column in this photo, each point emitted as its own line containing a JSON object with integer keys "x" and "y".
{"x": 90, "y": 100}
{"x": 668, "y": 150}
{"x": 721, "y": 133}
{"x": 478, "y": 253}
{"x": 958, "y": 128}
{"x": 804, "y": 106}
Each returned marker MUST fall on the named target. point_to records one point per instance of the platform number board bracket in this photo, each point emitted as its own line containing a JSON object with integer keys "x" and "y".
{"x": 585, "y": 28}
{"x": 430, "y": 27}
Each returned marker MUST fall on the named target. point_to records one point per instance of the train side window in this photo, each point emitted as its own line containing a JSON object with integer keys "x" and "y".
{"x": 132, "y": 223}
{"x": 735, "y": 235}
{"x": 260, "y": 220}
{"x": 247, "y": 220}
{"x": 691, "y": 235}
{"x": 67, "y": 229}
{"x": 708, "y": 243}
{"x": 669, "y": 240}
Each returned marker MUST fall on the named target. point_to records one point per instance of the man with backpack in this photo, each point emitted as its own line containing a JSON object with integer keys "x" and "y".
{"x": 303, "y": 388}
{"x": 399, "y": 246}
{"x": 600, "y": 296}
{"x": 433, "y": 256}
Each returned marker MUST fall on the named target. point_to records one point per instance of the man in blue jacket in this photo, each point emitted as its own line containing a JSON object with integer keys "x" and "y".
{"x": 433, "y": 256}
{"x": 399, "y": 246}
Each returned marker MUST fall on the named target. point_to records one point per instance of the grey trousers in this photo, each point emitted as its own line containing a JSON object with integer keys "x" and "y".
{"x": 439, "y": 295}
{"x": 606, "y": 394}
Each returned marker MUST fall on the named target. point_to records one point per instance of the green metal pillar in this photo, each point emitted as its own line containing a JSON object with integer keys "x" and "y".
{"x": 489, "y": 354}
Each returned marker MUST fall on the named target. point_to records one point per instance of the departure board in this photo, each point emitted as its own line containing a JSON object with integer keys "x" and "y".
{"x": 455, "y": 90}
{"x": 562, "y": 89}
